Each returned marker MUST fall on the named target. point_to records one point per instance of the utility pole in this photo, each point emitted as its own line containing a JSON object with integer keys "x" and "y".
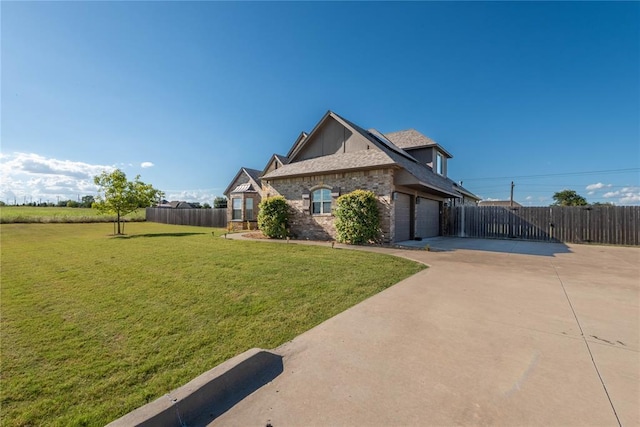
{"x": 511, "y": 199}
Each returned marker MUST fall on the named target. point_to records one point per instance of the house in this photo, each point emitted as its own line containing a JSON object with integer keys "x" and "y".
{"x": 243, "y": 195}
{"x": 502, "y": 203}
{"x": 406, "y": 170}
{"x": 176, "y": 204}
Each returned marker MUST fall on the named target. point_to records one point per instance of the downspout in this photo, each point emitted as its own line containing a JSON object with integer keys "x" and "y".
{"x": 462, "y": 233}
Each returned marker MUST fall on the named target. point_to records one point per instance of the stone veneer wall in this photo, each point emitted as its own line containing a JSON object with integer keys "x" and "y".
{"x": 240, "y": 225}
{"x": 304, "y": 225}
{"x": 237, "y": 225}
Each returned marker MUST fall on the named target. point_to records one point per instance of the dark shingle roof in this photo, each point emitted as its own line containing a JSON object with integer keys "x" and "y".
{"x": 254, "y": 174}
{"x": 336, "y": 162}
{"x": 283, "y": 159}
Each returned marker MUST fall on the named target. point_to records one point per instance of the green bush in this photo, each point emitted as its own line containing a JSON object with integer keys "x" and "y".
{"x": 273, "y": 217}
{"x": 358, "y": 219}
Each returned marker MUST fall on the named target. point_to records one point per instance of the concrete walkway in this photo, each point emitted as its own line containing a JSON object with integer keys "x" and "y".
{"x": 493, "y": 333}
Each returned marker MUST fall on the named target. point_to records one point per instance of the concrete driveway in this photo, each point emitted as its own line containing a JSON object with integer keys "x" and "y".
{"x": 493, "y": 333}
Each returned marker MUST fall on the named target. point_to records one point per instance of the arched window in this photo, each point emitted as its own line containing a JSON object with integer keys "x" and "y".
{"x": 321, "y": 201}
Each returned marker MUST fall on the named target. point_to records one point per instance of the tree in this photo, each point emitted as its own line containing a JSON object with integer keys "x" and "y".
{"x": 568, "y": 198}
{"x": 121, "y": 197}
{"x": 87, "y": 201}
{"x": 220, "y": 202}
{"x": 206, "y": 206}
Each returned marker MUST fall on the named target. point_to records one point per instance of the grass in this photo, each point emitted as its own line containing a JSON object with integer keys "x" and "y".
{"x": 30, "y": 214}
{"x": 94, "y": 325}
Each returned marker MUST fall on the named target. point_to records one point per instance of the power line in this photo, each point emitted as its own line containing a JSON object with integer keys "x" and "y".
{"x": 556, "y": 174}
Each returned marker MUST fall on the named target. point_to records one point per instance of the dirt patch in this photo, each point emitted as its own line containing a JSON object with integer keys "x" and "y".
{"x": 256, "y": 235}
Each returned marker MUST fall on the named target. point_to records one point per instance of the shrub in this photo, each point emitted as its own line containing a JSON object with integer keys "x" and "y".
{"x": 358, "y": 219}
{"x": 273, "y": 217}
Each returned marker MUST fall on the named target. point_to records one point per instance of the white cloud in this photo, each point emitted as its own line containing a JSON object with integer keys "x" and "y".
{"x": 529, "y": 198}
{"x": 28, "y": 177}
{"x": 31, "y": 177}
{"x": 597, "y": 186}
{"x": 591, "y": 193}
{"x": 146, "y": 165}
{"x": 626, "y": 196}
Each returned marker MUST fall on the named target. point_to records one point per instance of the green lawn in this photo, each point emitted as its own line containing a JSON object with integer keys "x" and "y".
{"x": 94, "y": 326}
{"x": 28, "y": 214}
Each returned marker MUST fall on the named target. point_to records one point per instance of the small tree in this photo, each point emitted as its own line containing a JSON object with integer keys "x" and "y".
{"x": 358, "y": 219}
{"x": 273, "y": 217}
{"x": 87, "y": 201}
{"x": 220, "y": 202}
{"x": 568, "y": 198}
{"x": 121, "y": 197}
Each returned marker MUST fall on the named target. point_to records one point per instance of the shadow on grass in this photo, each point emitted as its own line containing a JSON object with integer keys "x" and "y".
{"x": 135, "y": 236}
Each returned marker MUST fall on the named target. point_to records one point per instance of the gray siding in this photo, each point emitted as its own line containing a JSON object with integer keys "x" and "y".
{"x": 402, "y": 217}
{"x": 329, "y": 139}
{"x": 423, "y": 155}
{"x": 333, "y": 138}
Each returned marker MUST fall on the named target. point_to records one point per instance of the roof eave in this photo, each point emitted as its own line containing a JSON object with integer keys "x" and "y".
{"x": 330, "y": 171}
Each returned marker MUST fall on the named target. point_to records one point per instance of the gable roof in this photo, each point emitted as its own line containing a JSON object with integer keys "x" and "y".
{"x": 298, "y": 142}
{"x": 411, "y": 139}
{"x": 254, "y": 183}
{"x": 356, "y": 160}
{"x": 282, "y": 160}
{"x": 388, "y": 155}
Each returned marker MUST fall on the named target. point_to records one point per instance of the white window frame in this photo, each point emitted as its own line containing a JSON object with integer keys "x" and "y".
{"x": 234, "y": 210}
{"x": 324, "y": 202}
{"x": 439, "y": 163}
{"x": 248, "y": 210}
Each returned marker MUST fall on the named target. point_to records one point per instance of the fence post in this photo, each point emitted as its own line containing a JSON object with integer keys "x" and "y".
{"x": 462, "y": 221}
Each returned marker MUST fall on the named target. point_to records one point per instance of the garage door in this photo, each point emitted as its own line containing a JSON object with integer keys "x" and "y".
{"x": 402, "y": 217}
{"x": 427, "y": 218}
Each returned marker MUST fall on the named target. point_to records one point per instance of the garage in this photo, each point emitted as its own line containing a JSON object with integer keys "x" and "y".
{"x": 427, "y": 217}
{"x": 403, "y": 217}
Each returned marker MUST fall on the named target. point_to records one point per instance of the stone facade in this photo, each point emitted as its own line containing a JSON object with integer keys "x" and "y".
{"x": 305, "y": 225}
{"x": 245, "y": 223}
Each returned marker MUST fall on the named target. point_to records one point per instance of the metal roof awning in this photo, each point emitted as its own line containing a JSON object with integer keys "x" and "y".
{"x": 244, "y": 188}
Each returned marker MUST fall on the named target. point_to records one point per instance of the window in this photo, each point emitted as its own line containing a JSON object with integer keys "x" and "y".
{"x": 248, "y": 209}
{"x": 439, "y": 164}
{"x": 236, "y": 213}
{"x": 321, "y": 201}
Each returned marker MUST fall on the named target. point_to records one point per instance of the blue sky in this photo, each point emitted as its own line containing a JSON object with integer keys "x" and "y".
{"x": 546, "y": 94}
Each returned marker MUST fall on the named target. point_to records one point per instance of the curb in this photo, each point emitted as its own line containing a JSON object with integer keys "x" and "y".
{"x": 209, "y": 395}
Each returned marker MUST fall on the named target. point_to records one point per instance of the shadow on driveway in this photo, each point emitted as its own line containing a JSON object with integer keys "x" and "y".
{"x": 522, "y": 247}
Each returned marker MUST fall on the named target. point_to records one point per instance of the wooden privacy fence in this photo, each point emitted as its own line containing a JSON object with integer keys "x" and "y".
{"x": 616, "y": 225}
{"x": 216, "y": 217}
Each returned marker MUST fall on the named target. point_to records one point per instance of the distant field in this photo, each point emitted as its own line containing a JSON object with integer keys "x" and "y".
{"x": 94, "y": 325}
{"x": 27, "y": 214}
